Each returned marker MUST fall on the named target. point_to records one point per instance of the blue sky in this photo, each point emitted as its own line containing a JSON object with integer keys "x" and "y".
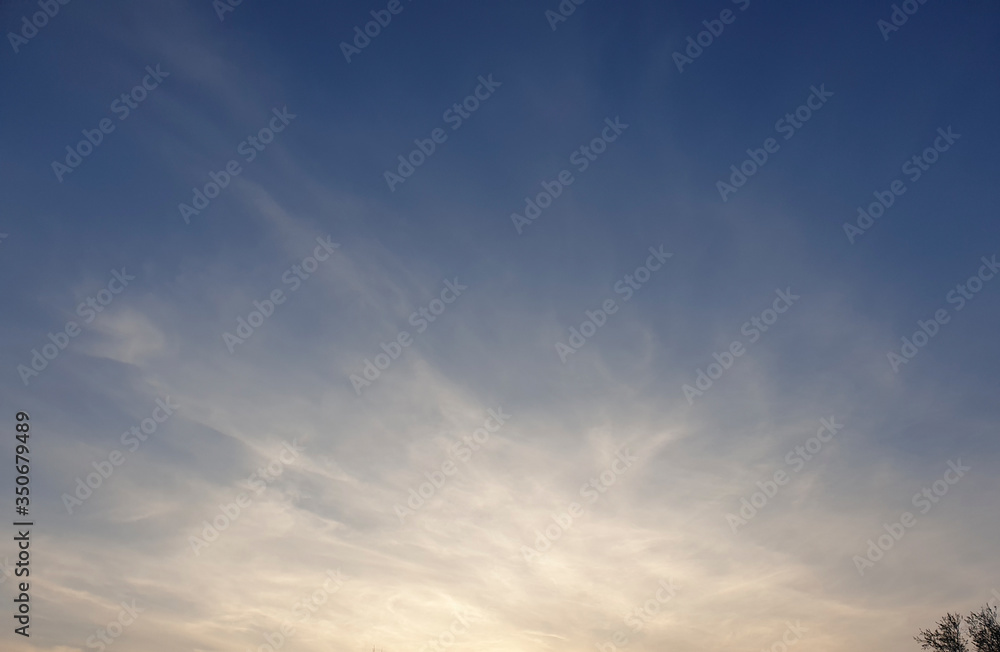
{"x": 346, "y": 454}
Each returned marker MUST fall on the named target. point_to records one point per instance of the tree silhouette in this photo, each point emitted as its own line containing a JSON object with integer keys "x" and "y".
{"x": 983, "y": 633}
{"x": 985, "y": 630}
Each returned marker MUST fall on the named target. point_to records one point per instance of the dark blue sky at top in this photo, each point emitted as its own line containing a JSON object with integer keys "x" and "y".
{"x": 607, "y": 59}
{"x": 655, "y": 185}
